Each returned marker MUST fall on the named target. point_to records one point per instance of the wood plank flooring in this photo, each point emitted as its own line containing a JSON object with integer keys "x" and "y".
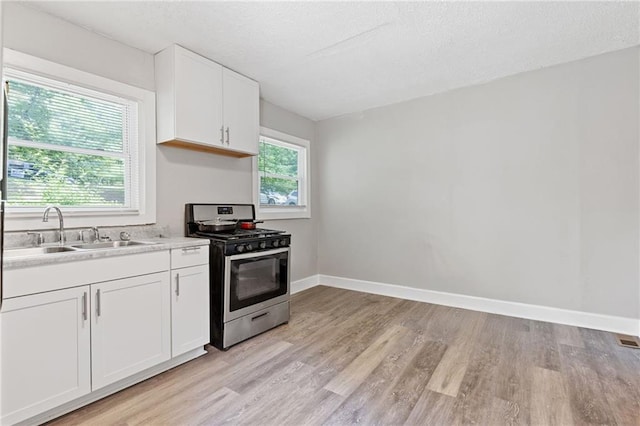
{"x": 347, "y": 357}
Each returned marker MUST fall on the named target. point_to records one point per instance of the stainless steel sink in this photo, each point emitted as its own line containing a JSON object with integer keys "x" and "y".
{"x": 36, "y": 251}
{"x": 110, "y": 244}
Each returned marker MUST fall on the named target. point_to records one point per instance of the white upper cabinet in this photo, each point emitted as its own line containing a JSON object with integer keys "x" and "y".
{"x": 200, "y": 118}
{"x": 241, "y": 108}
{"x": 202, "y": 105}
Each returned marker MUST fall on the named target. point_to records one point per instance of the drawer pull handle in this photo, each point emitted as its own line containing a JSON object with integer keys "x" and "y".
{"x": 191, "y": 249}
{"x": 259, "y": 316}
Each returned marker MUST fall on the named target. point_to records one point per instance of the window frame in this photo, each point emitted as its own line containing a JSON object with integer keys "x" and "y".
{"x": 143, "y": 159}
{"x": 130, "y": 144}
{"x": 275, "y": 212}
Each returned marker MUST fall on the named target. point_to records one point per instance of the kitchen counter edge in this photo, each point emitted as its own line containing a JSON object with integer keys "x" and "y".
{"x": 160, "y": 244}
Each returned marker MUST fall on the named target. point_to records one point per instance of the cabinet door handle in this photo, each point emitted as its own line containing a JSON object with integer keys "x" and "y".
{"x": 84, "y": 306}
{"x": 227, "y": 135}
{"x": 178, "y": 284}
{"x": 222, "y": 135}
{"x": 98, "y": 307}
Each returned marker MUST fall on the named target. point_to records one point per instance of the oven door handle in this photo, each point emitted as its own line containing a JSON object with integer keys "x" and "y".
{"x": 258, "y": 253}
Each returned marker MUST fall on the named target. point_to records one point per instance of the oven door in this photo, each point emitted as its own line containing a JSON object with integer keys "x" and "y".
{"x": 253, "y": 281}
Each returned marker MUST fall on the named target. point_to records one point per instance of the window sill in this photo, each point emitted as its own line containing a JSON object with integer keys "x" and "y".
{"x": 28, "y": 221}
{"x": 283, "y": 212}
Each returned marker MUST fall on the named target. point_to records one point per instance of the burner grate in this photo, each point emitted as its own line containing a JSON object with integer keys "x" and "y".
{"x": 241, "y": 233}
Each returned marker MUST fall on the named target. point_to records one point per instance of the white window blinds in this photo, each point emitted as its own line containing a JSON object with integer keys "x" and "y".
{"x": 70, "y": 146}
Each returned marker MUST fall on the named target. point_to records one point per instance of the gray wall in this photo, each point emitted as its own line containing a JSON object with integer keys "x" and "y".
{"x": 46, "y": 37}
{"x": 304, "y": 245}
{"x": 524, "y": 189}
{"x": 182, "y": 176}
{"x": 189, "y": 176}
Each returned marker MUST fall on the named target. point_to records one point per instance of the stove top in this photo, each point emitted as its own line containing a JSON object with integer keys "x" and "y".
{"x": 239, "y": 241}
{"x": 240, "y": 234}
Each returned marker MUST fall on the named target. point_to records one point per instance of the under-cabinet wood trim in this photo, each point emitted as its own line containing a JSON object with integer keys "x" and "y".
{"x": 204, "y": 148}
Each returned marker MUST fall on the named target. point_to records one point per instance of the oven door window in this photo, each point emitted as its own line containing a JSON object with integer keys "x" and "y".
{"x": 255, "y": 280}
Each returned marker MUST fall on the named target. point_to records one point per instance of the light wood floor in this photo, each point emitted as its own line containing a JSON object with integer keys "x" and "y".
{"x": 349, "y": 357}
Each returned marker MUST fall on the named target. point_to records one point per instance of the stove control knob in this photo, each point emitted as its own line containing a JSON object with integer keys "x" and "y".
{"x": 283, "y": 243}
{"x": 262, "y": 244}
{"x": 239, "y": 248}
{"x": 248, "y": 247}
{"x": 276, "y": 243}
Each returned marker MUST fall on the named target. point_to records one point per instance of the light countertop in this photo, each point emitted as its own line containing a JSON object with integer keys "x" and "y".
{"x": 160, "y": 244}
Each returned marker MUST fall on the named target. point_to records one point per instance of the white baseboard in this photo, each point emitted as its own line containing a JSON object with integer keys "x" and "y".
{"x": 304, "y": 283}
{"x": 521, "y": 310}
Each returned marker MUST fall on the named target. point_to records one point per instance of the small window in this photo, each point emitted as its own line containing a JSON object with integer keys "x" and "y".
{"x": 282, "y": 176}
{"x": 69, "y": 146}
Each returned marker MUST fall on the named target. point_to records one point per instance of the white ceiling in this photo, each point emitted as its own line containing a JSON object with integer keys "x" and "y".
{"x": 324, "y": 59}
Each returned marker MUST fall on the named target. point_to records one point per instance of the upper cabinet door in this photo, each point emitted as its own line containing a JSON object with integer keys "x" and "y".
{"x": 189, "y": 98}
{"x": 198, "y": 94}
{"x": 241, "y": 97}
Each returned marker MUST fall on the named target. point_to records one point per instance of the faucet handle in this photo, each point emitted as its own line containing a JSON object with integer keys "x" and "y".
{"x": 92, "y": 231}
{"x": 96, "y": 233}
{"x": 39, "y": 237}
{"x": 125, "y": 236}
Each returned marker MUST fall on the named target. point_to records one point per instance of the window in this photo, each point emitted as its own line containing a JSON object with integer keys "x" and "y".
{"x": 69, "y": 146}
{"x": 77, "y": 141}
{"x": 281, "y": 174}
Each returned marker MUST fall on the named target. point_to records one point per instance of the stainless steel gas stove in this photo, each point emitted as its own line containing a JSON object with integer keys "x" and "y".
{"x": 249, "y": 273}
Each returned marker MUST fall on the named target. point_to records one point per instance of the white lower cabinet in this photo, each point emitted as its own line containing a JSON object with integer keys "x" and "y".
{"x": 68, "y": 330}
{"x": 130, "y": 325}
{"x": 189, "y": 308}
{"x": 45, "y": 358}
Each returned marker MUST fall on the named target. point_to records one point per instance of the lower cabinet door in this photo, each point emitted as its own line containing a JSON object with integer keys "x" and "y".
{"x": 46, "y": 345}
{"x": 131, "y": 326}
{"x": 189, "y": 308}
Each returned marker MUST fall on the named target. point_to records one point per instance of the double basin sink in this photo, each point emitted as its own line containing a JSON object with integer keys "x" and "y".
{"x": 37, "y": 251}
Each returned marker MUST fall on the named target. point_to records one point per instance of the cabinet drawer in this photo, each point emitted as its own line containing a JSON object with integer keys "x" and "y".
{"x": 21, "y": 282}
{"x": 189, "y": 256}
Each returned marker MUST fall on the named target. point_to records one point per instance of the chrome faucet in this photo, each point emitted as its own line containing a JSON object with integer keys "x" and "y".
{"x": 45, "y": 218}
